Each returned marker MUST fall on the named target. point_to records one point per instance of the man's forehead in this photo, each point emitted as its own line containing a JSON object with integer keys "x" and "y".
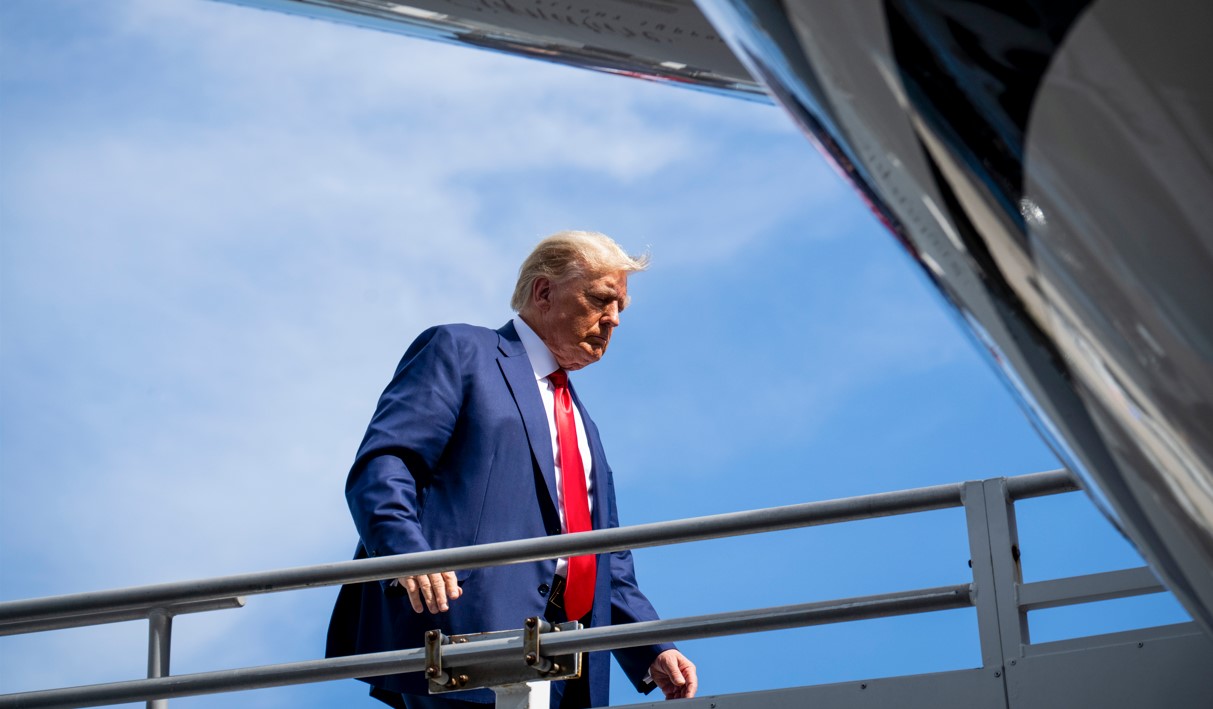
{"x": 611, "y": 280}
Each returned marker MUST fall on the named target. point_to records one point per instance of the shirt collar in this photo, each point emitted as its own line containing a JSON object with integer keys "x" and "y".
{"x": 542, "y": 360}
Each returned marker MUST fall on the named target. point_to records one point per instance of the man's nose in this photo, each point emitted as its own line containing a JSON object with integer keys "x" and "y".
{"x": 611, "y": 314}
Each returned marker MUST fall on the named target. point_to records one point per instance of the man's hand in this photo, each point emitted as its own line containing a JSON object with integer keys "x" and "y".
{"x": 432, "y": 591}
{"x": 674, "y": 675}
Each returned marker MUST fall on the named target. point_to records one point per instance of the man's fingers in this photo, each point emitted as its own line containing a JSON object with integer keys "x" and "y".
{"x": 427, "y": 592}
{"x": 437, "y": 598}
{"x": 675, "y": 675}
{"x": 410, "y": 585}
{"x": 432, "y": 592}
{"x": 673, "y": 671}
{"x": 692, "y": 684}
{"x": 452, "y": 585}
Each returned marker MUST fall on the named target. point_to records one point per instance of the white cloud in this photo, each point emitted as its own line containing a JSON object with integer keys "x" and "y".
{"x": 226, "y": 226}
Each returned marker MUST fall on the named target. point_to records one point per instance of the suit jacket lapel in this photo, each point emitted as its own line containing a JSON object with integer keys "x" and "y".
{"x": 598, "y": 466}
{"x": 516, "y": 367}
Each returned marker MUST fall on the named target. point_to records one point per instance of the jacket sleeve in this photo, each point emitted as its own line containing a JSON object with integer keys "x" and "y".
{"x": 413, "y": 422}
{"x": 630, "y": 605}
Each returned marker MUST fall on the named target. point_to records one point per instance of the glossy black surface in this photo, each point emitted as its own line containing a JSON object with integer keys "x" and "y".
{"x": 972, "y": 70}
{"x": 1063, "y": 153}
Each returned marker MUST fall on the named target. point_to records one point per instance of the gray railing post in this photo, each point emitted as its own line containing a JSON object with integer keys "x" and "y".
{"x": 159, "y": 645}
{"x": 984, "y": 589}
{"x": 1008, "y": 574}
{"x": 994, "y": 556}
{"x": 531, "y": 695}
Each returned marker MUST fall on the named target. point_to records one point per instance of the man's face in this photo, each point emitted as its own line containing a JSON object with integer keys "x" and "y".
{"x": 579, "y": 315}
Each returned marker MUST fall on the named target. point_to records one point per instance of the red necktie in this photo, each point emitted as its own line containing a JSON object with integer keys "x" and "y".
{"x": 582, "y": 571}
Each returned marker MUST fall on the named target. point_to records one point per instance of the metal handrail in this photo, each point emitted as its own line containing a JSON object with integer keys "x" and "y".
{"x": 38, "y": 625}
{"x": 1052, "y": 482}
{"x": 161, "y": 601}
{"x": 570, "y": 641}
{"x": 1087, "y": 588}
{"x": 100, "y": 606}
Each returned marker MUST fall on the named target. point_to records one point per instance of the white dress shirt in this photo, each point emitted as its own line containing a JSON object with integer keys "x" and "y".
{"x": 544, "y": 363}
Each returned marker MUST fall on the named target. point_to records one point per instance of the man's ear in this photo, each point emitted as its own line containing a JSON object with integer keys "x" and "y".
{"x": 541, "y": 293}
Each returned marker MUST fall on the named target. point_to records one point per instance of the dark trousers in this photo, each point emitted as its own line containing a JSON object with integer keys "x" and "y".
{"x": 566, "y": 694}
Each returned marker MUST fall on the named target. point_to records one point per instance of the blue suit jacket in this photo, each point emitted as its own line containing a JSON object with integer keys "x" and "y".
{"x": 459, "y": 453}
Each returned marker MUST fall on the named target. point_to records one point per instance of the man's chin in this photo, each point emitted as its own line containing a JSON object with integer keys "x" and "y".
{"x": 582, "y": 360}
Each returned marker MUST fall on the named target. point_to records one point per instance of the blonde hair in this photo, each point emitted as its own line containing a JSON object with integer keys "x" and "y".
{"x": 569, "y": 254}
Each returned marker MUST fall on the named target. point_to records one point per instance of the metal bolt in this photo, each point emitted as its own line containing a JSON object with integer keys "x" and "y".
{"x": 863, "y": 685}
{"x": 1140, "y": 645}
{"x": 462, "y": 680}
{"x": 1012, "y": 663}
{"x": 431, "y": 671}
{"x": 531, "y": 658}
{"x": 556, "y": 669}
{"x": 431, "y": 635}
{"x": 997, "y": 673}
{"x": 532, "y": 622}
{"x": 461, "y": 640}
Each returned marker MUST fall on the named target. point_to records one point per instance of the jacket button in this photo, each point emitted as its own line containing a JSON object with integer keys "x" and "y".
{"x": 543, "y": 589}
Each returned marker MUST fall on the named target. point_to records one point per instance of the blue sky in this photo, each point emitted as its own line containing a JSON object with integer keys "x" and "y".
{"x": 220, "y": 227}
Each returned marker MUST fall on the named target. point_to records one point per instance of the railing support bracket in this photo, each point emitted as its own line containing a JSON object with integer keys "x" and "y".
{"x": 447, "y": 674}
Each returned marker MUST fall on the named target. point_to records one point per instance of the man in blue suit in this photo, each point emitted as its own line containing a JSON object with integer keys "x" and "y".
{"x": 470, "y": 444}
